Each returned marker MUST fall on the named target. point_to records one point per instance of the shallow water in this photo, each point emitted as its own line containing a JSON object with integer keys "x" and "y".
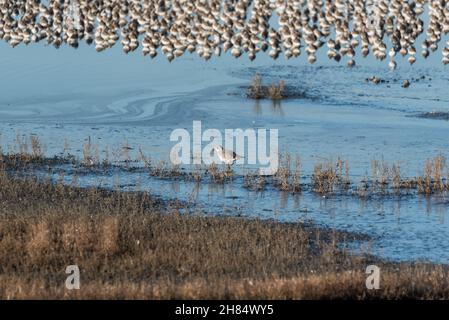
{"x": 65, "y": 96}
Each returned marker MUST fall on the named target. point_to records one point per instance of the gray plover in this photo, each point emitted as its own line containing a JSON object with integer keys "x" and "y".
{"x": 226, "y": 156}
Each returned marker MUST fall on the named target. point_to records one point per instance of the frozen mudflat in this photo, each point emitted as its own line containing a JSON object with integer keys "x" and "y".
{"x": 65, "y": 96}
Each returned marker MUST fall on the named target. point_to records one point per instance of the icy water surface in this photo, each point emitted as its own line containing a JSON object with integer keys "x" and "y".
{"x": 65, "y": 96}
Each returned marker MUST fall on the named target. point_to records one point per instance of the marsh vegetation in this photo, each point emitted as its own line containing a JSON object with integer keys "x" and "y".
{"x": 329, "y": 176}
{"x": 257, "y": 90}
{"x": 275, "y": 91}
{"x": 134, "y": 246}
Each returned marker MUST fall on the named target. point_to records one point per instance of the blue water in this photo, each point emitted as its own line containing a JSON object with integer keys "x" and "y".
{"x": 65, "y": 96}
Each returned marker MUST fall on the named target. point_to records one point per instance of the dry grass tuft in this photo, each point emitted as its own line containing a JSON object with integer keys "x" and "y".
{"x": 108, "y": 235}
{"x": 326, "y": 177}
{"x": 39, "y": 239}
{"x": 257, "y": 90}
{"x": 276, "y": 92}
{"x": 219, "y": 175}
{"x": 434, "y": 178}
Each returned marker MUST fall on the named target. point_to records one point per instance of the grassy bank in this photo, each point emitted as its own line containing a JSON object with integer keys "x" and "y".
{"x": 129, "y": 245}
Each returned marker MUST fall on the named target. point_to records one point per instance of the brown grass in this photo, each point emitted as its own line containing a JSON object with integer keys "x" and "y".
{"x": 257, "y": 90}
{"x": 434, "y": 178}
{"x": 252, "y": 180}
{"x": 288, "y": 176}
{"x": 218, "y": 174}
{"x": 327, "y": 177}
{"x": 276, "y": 92}
{"x": 129, "y": 245}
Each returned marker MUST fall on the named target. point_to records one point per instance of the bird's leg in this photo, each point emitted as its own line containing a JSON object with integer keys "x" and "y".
{"x": 228, "y": 170}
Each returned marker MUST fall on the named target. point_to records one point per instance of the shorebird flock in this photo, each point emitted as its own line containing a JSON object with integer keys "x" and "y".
{"x": 384, "y": 28}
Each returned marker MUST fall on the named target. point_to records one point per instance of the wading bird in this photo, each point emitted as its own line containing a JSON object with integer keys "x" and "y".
{"x": 226, "y": 156}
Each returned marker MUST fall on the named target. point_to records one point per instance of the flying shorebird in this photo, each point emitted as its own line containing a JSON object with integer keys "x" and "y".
{"x": 226, "y": 156}
{"x": 210, "y": 27}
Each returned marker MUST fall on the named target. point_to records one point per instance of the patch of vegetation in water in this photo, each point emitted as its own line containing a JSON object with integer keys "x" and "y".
{"x": 328, "y": 178}
{"x": 435, "y": 115}
{"x": 276, "y": 91}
